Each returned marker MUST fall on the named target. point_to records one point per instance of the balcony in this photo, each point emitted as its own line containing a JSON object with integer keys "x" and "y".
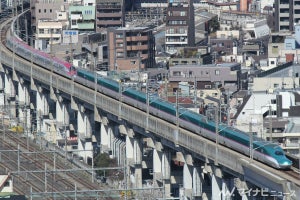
{"x": 112, "y": 22}
{"x": 137, "y": 47}
{"x": 137, "y": 38}
{"x": 109, "y": 15}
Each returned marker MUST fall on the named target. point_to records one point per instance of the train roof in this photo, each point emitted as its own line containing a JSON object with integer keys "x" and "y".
{"x": 42, "y": 53}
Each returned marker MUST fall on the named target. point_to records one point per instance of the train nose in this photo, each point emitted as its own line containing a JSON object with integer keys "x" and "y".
{"x": 287, "y": 163}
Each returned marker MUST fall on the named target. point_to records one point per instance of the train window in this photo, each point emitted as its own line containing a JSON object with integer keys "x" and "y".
{"x": 278, "y": 153}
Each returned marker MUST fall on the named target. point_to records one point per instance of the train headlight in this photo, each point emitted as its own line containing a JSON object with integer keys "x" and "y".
{"x": 287, "y": 163}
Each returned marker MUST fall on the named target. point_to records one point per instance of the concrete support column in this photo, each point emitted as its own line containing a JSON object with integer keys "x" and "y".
{"x": 197, "y": 181}
{"x": 104, "y": 137}
{"x": 24, "y": 103}
{"x": 138, "y": 153}
{"x": 157, "y": 164}
{"x": 42, "y": 102}
{"x": 227, "y": 189}
{"x": 187, "y": 180}
{"x": 220, "y": 187}
{"x": 84, "y": 128}
{"x": 166, "y": 172}
{"x": 129, "y": 148}
{"x": 62, "y": 114}
{"x": 9, "y": 88}
{"x": 84, "y": 132}
{"x": 242, "y": 188}
{"x": 2, "y": 92}
{"x": 10, "y": 94}
{"x": 216, "y": 184}
{"x": 2, "y": 86}
{"x": 134, "y": 154}
{"x": 23, "y": 93}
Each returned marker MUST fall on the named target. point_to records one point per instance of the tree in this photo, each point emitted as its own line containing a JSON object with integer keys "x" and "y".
{"x": 103, "y": 160}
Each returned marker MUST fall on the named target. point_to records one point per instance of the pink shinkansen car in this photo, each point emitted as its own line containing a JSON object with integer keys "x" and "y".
{"x": 39, "y": 57}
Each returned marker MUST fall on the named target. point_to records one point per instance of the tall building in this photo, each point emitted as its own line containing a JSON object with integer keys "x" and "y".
{"x": 47, "y": 10}
{"x": 130, "y": 48}
{"x": 287, "y": 14}
{"x": 180, "y": 25}
{"x": 109, "y": 13}
{"x": 82, "y": 18}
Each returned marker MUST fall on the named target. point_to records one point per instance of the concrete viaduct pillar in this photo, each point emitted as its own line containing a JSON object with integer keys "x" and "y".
{"x": 62, "y": 114}
{"x": 105, "y": 137}
{"x": 134, "y": 153}
{"x": 161, "y": 165}
{"x": 84, "y": 131}
{"x": 24, "y": 104}
{"x": 2, "y": 86}
{"x": 10, "y": 94}
{"x": 166, "y": 172}
{"x": 221, "y": 187}
{"x": 42, "y": 102}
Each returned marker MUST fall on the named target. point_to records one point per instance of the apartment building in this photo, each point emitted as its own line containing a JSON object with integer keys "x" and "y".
{"x": 286, "y": 15}
{"x": 226, "y": 74}
{"x": 82, "y": 18}
{"x": 130, "y": 48}
{"x": 109, "y": 13}
{"x": 47, "y": 10}
{"x": 48, "y": 33}
{"x": 272, "y": 116}
{"x": 180, "y": 25}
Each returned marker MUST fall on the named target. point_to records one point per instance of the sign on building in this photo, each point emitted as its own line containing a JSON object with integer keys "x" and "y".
{"x": 70, "y": 36}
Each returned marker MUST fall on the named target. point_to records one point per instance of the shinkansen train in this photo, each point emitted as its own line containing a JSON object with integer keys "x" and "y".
{"x": 268, "y": 153}
{"x": 19, "y": 47}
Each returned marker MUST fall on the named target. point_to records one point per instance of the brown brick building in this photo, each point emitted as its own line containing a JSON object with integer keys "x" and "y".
{"x": 130, "y": 48}
{"x": 109, "y": 13}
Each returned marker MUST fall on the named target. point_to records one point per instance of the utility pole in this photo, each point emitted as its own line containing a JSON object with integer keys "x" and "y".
{"x": 251, "y": 140}
{"x": 270, "y": 124}
{"x": 217, "y": 131}
{"x": 166, "y": 87}
{"x": 195, "y": 92}
{"x": 139, "y": 73}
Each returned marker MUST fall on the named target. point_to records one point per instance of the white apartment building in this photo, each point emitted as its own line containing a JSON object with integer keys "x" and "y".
{"x": 48, "y": 32}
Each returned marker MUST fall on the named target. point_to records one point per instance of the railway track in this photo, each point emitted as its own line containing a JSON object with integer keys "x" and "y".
{"x": 42, "y": 171}
{"x": 34, "y": 171}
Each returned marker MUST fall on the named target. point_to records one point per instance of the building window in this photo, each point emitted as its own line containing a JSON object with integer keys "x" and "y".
{"x": 119, "y": 35}
{"x": 176, "y": 73}
{"x": 207, "y": 86}
{"x": 183, "y": 13}
{"x": 39, "y": 10}
{"x": 133, "y": 62}
{"x": 50, "y": 10}
{"x": 41, "y": 31}
{"x": 120, "y": 54}
{"x": 119, "y": 44}
{"x": 45, "y": 10}
{"x": 293, "y": 140}
{"x": 181, "y": 30}
{"x": 273, "y": 101}
{"x": 276, "y": 85}
{"x": 171, "y": 31}
{"x": 217, "y": 72}
{"x": 74, "y": 22}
